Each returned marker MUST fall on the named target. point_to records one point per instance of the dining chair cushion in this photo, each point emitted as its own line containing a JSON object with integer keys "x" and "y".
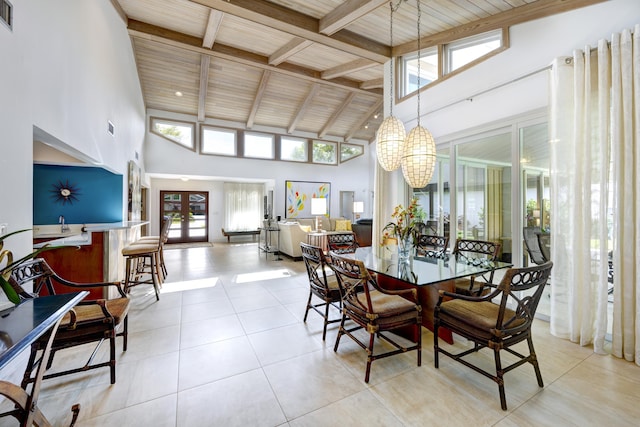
{"x": 140, "y": 249}
{"x": 479, "y": 318}
{"x": 385, "y": 305}
{"x": 118, "y": 308}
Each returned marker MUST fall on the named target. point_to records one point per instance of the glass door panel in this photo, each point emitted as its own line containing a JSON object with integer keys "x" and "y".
{"x": 483, "y": 191}
{"x": 189, "y": 213}
{"x": 434, "y": 198}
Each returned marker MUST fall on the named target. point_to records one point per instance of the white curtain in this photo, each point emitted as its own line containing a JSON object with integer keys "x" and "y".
{"x": 243, "y": 206}
{"x": 595, "y": 186}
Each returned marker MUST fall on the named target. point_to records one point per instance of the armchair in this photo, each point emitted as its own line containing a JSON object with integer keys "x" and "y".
{"x": 89, "y": 322}
{"x": 495, "y": 326}
{"x": 374, "y": 309}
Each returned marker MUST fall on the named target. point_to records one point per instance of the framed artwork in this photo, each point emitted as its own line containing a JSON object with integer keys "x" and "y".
{"x": 135, "y": 193}
{"x": 298, "y": 195}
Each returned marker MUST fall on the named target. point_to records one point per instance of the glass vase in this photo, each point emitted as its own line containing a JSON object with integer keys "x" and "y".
{"x": 405, "y": 247}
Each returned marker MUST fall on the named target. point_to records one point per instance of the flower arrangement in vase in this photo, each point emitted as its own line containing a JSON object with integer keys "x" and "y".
{"x": 405, "y": 227}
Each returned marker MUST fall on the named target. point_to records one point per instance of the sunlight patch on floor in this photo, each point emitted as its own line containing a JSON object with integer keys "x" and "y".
{"x": 262, "y": 275}
{"x": 209, "y": 282}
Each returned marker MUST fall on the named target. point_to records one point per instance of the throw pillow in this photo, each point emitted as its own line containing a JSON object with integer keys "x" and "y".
{"x": 343, "y": 225}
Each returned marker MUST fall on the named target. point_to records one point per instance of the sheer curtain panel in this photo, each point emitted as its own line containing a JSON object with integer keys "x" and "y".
{"x": 243, "y": 206}
{"x": 595, "y": 182}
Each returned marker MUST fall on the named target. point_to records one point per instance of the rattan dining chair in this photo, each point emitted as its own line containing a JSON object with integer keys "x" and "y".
{"x": 497, "y": 326}
{"x": 323, "y": 284}
{"x": 431, "y": 246}
{"x": 475, "y": 251}
{"x": 342, "y": 243}
{"x": 375, "y": 310}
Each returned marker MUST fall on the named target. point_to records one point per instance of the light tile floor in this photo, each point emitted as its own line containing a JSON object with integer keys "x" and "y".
{"x": 226, "y": 346}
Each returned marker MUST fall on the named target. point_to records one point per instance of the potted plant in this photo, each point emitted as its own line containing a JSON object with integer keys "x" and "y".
{"x": 405, "y": 228}
{"x": 5, "y": 271}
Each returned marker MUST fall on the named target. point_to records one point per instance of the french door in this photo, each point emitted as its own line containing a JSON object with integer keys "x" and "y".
{"x": 189, "y": 214}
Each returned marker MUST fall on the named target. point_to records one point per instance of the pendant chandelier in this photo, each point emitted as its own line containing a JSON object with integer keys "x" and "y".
{"x": 391, "y": 135}
{"x": 419, "y": 154}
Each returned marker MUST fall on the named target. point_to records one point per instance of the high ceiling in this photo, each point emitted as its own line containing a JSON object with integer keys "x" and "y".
{"x": 295, "y": 65}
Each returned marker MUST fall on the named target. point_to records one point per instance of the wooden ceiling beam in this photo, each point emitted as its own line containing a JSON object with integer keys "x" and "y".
{"x": 288, "y": 50}
{"x": 350, "y": 67}
{"x": 258, "y": 98}
{"x": 213, "y": 26}
{"x": 335, "y": 115}
{"x": 372, "y": 84}
{"x": 517, "y": 15}
{"x": 300, "y": 25}
{"x": 365, "y": 118}
{"x": 205, "y": 61}
{"x": 194, "y": 44}
{"x": 346, "y": 13}
{"x": 303, "y": 108}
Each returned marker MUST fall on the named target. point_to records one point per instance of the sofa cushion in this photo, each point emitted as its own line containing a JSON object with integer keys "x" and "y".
{"x": 343, "y": 225}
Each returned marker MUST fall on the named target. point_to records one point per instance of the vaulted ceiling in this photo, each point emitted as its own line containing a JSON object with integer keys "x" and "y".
{"x": 297, "y": 65}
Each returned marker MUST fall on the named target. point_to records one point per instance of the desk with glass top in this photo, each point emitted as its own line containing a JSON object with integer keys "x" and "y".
{"x": 427, "y": 275}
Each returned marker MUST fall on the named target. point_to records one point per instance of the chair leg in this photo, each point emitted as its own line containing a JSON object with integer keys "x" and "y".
{"x": 112, "y": 356}
{"x": 499, "y": 379}
{"x": 419, "y": 343}
{"x": 372, "y": 338}
{"x": 340, "y": 332}
{"x": 154, "y": 276}
{"x": 436, "y": 348}
{"x": 125, "y": 333}
{"x": 534, "y": 361}
{"x": 326, "y": 320}
{"x": 26, "y": 379}
{"x": 308, "y": 307}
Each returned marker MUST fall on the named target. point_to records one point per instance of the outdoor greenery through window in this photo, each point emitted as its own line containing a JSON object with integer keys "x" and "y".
{"x": 349, "y": 151}
{"x": 293, "y": 149}
{"x": 324, "y": 152}
{"x": 259, "y": 145}
{"x": 179, "y": 132}
{"x": 218, "y": 141}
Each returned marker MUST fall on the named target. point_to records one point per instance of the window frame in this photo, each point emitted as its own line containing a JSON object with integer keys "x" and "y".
{"x": 152, "y": 129}
{"x": 270, "y": 136}
{"x": 348, "y": 144}
{"x": 204, "y": 128}
{"x": 303, "y": 141}
{"x": 335, "y": 152}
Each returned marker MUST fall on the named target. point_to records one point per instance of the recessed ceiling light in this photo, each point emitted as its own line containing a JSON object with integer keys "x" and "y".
{"x": 178, "y": 93}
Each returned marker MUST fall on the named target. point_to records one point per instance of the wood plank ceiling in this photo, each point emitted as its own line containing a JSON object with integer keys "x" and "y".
{"x": 296, "y": 65}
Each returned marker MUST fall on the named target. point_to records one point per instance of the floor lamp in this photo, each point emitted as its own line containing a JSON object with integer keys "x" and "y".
{"x": 318, "y": 208}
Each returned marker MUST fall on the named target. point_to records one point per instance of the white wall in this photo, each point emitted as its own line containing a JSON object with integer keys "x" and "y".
{"x": 67, "y": 67}
{"x": 533, "y": 47}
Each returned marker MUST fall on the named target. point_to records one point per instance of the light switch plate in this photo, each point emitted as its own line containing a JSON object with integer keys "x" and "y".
{"x": 3, "y": 228}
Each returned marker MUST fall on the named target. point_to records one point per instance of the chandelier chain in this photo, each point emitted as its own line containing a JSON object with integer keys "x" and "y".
{"x": 419, "y": 60}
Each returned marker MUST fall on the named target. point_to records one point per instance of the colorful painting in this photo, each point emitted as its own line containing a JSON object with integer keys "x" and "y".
{"x": 298, "y": 195}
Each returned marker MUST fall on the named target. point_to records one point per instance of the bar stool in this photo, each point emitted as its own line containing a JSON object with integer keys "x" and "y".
{"x": 141, "y": 260}
{"x": 160, "y": 240}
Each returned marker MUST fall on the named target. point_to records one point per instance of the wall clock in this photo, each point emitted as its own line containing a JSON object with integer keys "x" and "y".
{"x": 65, "y": 192}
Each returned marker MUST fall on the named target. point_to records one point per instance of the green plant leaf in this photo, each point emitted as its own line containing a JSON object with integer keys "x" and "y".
{"x": 11, "y": 293}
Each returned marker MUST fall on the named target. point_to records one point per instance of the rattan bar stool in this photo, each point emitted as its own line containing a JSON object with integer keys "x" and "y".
{"x": 142, "y": 266}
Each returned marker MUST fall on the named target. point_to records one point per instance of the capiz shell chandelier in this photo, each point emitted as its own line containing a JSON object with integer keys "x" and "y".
{"x": 419, "y": 157}
{"x": 390, "y": 143}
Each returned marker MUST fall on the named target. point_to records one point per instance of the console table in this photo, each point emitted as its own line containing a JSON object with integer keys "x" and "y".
{"x": 19, "y": 328}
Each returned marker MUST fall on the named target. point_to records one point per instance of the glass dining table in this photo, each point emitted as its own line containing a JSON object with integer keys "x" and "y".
{"x": 427, "y": 275}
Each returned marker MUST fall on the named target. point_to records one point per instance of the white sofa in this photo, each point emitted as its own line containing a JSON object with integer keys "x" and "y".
{"x": 292, "y": 232}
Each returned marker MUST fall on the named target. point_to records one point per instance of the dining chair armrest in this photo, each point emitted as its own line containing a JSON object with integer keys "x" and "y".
{"x": 117, "y": 285}
{"x": 401, "y": 292}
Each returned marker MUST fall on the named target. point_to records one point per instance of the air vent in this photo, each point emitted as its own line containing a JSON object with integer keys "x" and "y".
{"x": 110, "y": 127}
{"x": 6, "y": 13}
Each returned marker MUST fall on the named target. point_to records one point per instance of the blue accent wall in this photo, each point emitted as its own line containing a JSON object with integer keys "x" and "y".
{"x": 97, "y": 197}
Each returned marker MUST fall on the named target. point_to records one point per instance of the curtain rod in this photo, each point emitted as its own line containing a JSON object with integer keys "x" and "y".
{"x": 470, "y": 98}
